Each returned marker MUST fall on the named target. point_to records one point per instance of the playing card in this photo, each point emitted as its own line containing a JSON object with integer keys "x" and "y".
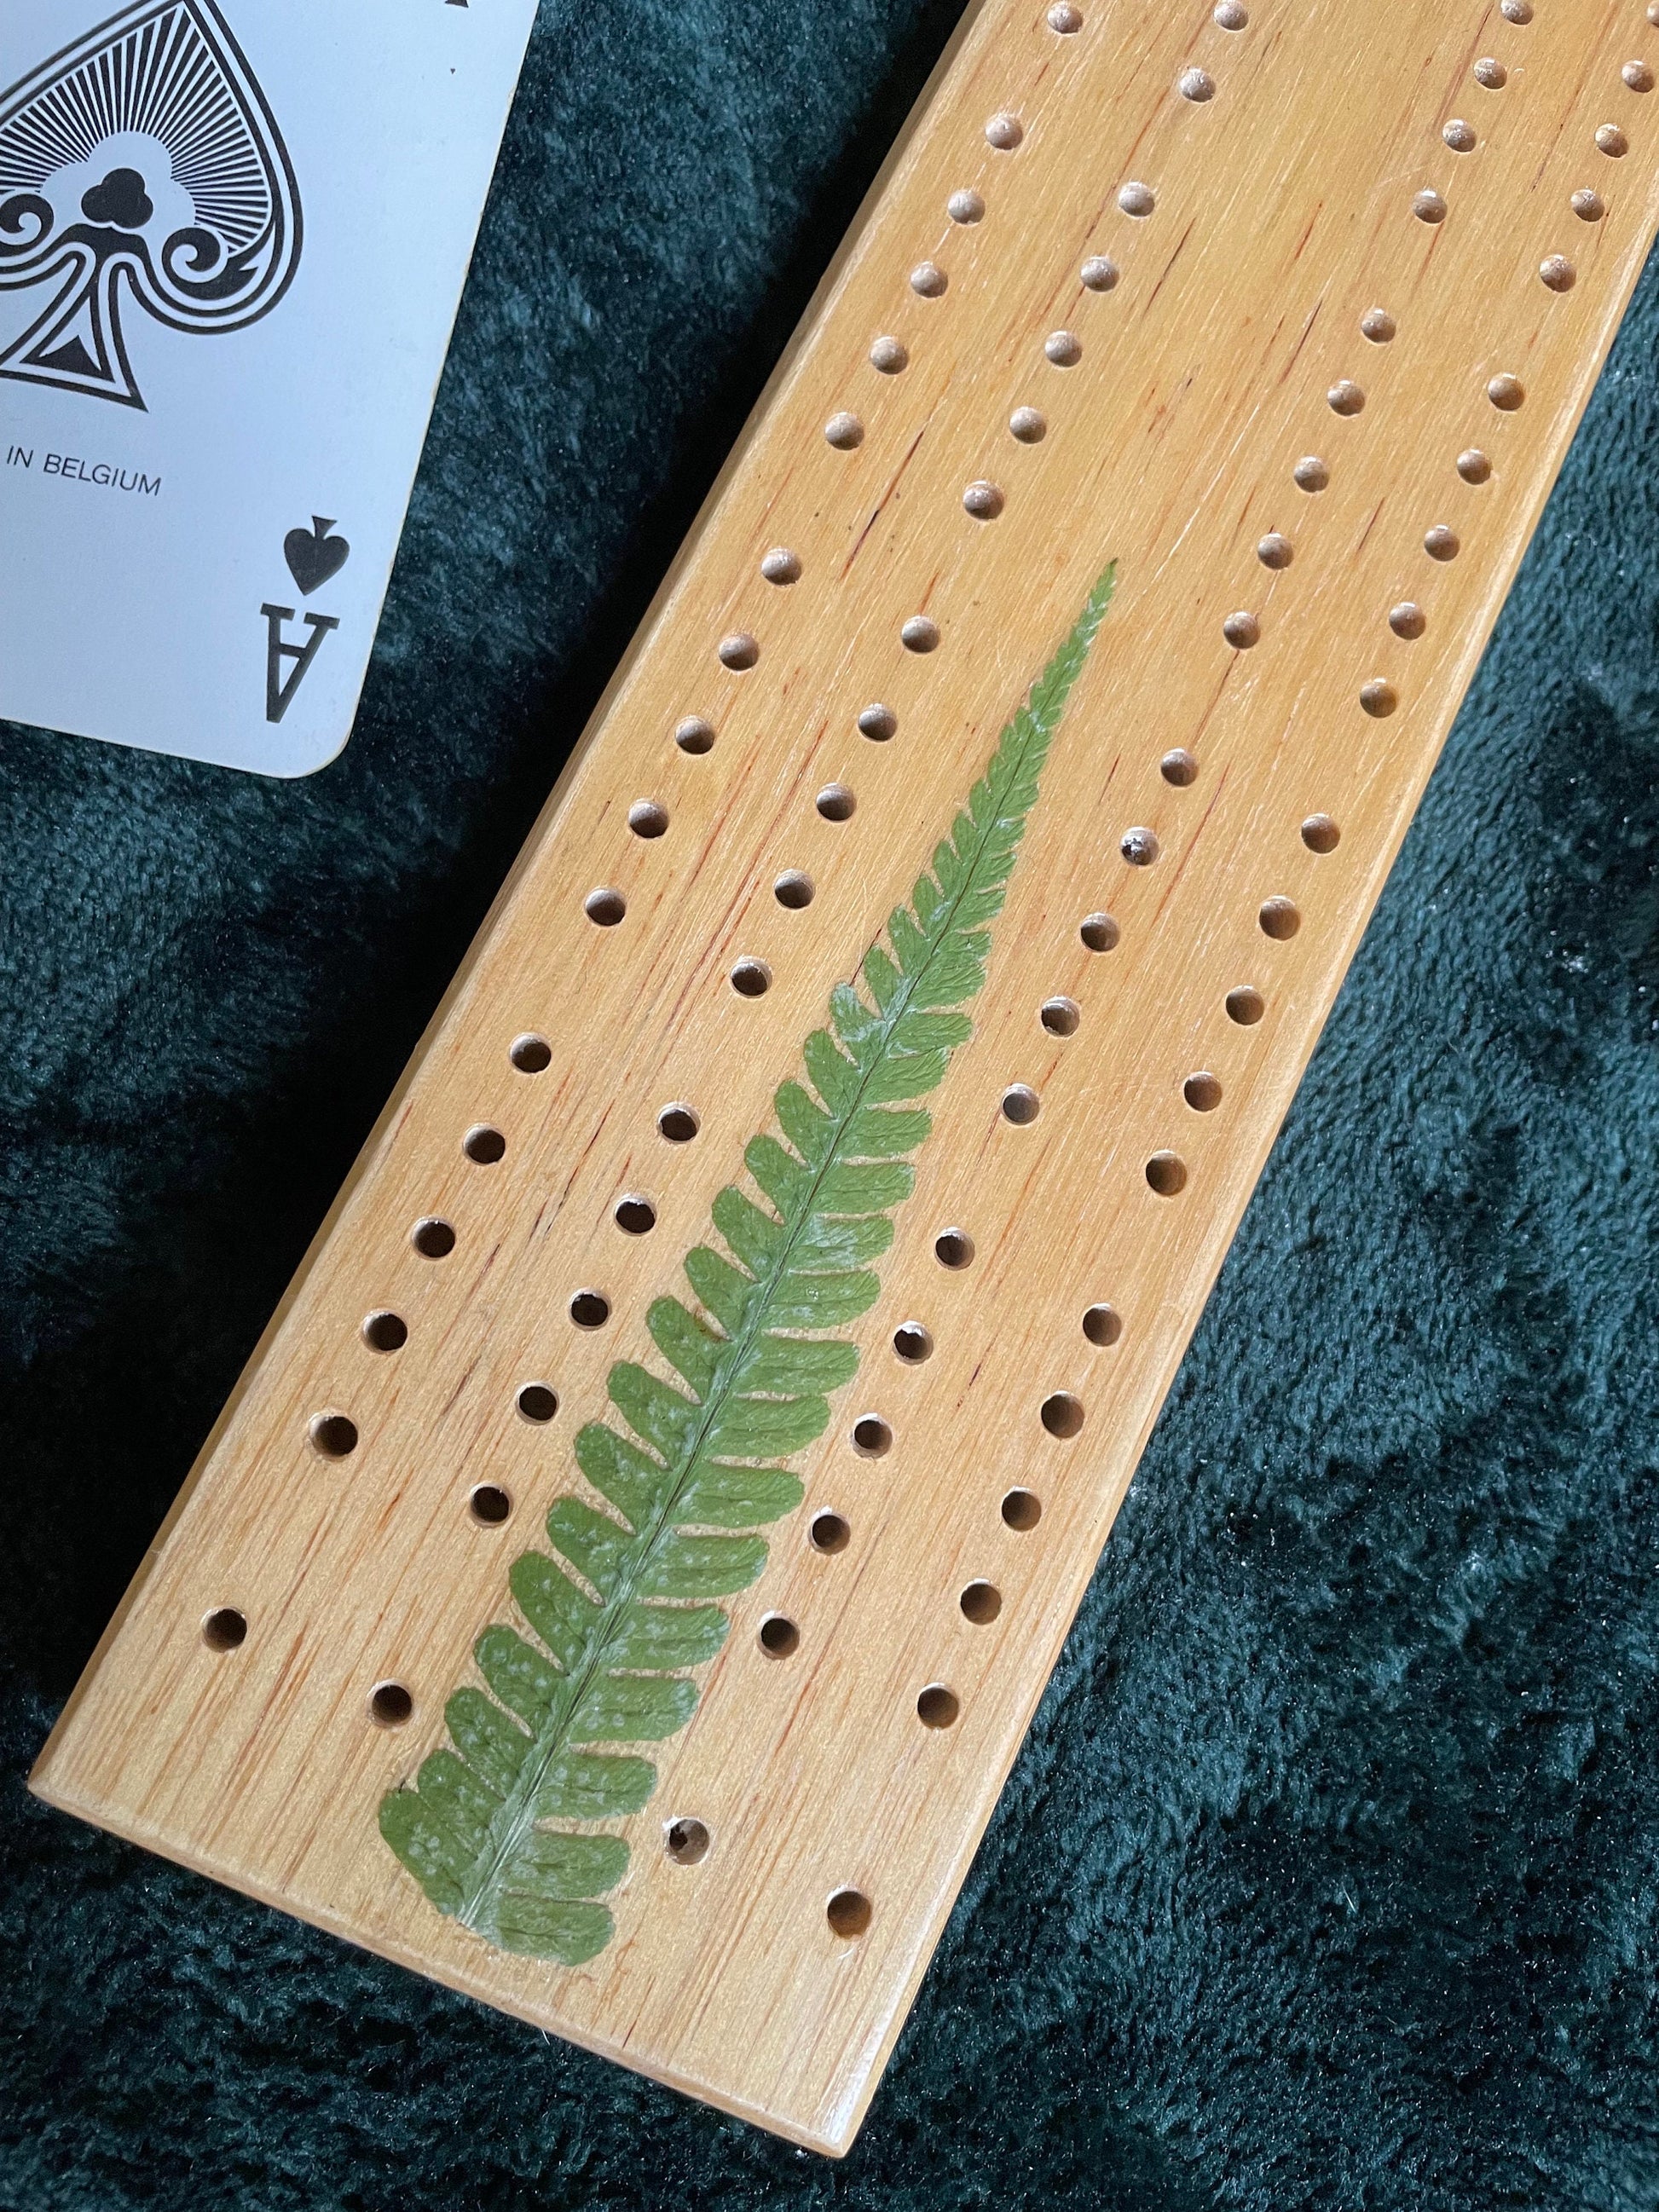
{"x": 233, "y": 238}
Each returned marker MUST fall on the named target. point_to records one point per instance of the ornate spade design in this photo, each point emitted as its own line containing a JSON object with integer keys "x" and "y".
{"x": 143, "y": 160}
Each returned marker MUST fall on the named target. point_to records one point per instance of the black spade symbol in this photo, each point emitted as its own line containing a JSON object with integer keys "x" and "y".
{"x": 163, "y": 83}
{"x": 312, "y": 556}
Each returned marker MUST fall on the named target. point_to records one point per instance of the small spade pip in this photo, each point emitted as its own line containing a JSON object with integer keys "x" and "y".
{"x": 312, "y": 556}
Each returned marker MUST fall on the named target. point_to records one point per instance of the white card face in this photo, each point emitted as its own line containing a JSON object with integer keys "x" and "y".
{"x": 232, "y": 239}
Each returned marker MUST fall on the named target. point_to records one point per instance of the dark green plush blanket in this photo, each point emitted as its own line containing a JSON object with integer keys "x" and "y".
{"x": 1329, "y": 1874}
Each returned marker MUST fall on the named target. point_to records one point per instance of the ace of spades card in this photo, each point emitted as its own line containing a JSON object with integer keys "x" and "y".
{"x": 232, "y": 239}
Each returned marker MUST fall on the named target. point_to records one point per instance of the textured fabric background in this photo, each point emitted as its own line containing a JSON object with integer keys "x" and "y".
{"x": 1328, "y": 1875}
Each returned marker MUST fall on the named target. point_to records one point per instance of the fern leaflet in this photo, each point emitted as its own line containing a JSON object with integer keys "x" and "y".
{"x": 628, "y": 1602}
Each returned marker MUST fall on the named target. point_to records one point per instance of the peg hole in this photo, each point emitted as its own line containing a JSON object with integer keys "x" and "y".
{"x": 1245, "y": 1006}
{"x": 965, "y": 206}
{"x": 844, "y": 431}
{"x": 1516, "y": 11}
{"x": 1428, "y": 207}
{"x": 1346, "y": 397}
{"x": 1556, "y": 273}
{"x": 954, "y": 1248}
{"x": 1061, "y": 1414}
{"x": 224, "y": 1629}
{"x": 694, "y": 736}
{"x": 1099, "y": 273}
{"x": 531, "y": 1055}
{"x": 1065, "y": 19}
{"x": 848, "y": 1914}
{"x": 1196, "y": 85}
{"x": 1460, "y": 136}
{"x": 890, "y": 356}
{"x": 432, "y": 1239}
{"x": 488, "y": 1505}
{"x": 1280, "y": 919}
{"x": 981, "y": 1603}
{"x": 1137, "y": 199}
{"x": 389, "y": 1704}
{"x": 873, "y": 1437}
{"x": 781, "y": 566}
{"x": 920, "y": 634}
{"x": 1060, "y": 1017}
{"x": 385, "y": 1332}
{"x": 830, "y": 1533}
{"x": 590, "y": 1309}
{"x": 606, "y": 907}
{"x": 1003, "y": 132}
{"x": 751, "y": 979}
{"x": 1275, "y": 550}
{"x": 1166, "y": 1174}
{"x": 1490, "y": 72}
{"x": 1506, "y": 393}
{"x": 1178, "y": 767}
{"x": 537, "y": 1403}
{"x": 1378, "y": 699}
{"x": 1320, "y": 834}
{"x": 793, "y": 889}
{"x": 646, "y": 819}
{"x": 1407, "y": 620}
{"x": 879, "y": 724}
{"x": 835, "y": 803}
{"x": 1020, "y": 1105}
{"x": 678, "y": 1123}
{"x": 636, "y": 1216}
{"x": 938, "y": 1707}
{"x": 1441, "y": 543}
{"x": 913, "y": 1342}
{"x": 779, "y": 1636}
{"x": 686, "y": 1842}
{"x": 739, "y": 651}
{"x": 1063, "y": 348}
{"x": 1139, "y": 847}
{"x": 1232, "y": 15}
{"x": 1022, "y": 1509}
{"x": 1473, "y": 466}
{"x": 1029, "y": 424}
{"x": 983, "y": 501}
{"x": 1099, "y": 933}
{"x": 1637, "y": 76}
{"x": 1611, "y": 141}
{"x": 1589, "y": 206}
{"x": 928, "y": 281}
{"x": 1202, "y": 1092}
{"x": 484, "y": 1145}
{"x": 1102, "y": 1325}
{"x": 1310, "y": 474}
{"x": 1377, "y": 325}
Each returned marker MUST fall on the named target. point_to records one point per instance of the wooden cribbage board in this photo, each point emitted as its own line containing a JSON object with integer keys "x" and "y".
{"x": 1365, "y": 265}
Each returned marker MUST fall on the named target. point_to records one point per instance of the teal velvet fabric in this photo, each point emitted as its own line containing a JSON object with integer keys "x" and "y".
{"x": 1329, "y": 1874}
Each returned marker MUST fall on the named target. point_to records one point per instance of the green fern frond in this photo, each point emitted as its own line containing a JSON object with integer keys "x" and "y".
{"x": 627, "y": 1601}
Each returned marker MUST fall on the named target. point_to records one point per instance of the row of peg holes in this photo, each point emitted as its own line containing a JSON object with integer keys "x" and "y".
{"x": 1312, "y": 475}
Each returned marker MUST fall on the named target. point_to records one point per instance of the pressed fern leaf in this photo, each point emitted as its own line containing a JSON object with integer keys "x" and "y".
{"x": 626, "y": 1603}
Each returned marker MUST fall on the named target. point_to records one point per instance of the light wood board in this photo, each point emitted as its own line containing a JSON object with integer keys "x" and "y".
{"x": 1276, "y": 213}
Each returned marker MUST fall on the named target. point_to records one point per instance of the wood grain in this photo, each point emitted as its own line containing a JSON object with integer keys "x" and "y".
{"x": 1284, "y": 210}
